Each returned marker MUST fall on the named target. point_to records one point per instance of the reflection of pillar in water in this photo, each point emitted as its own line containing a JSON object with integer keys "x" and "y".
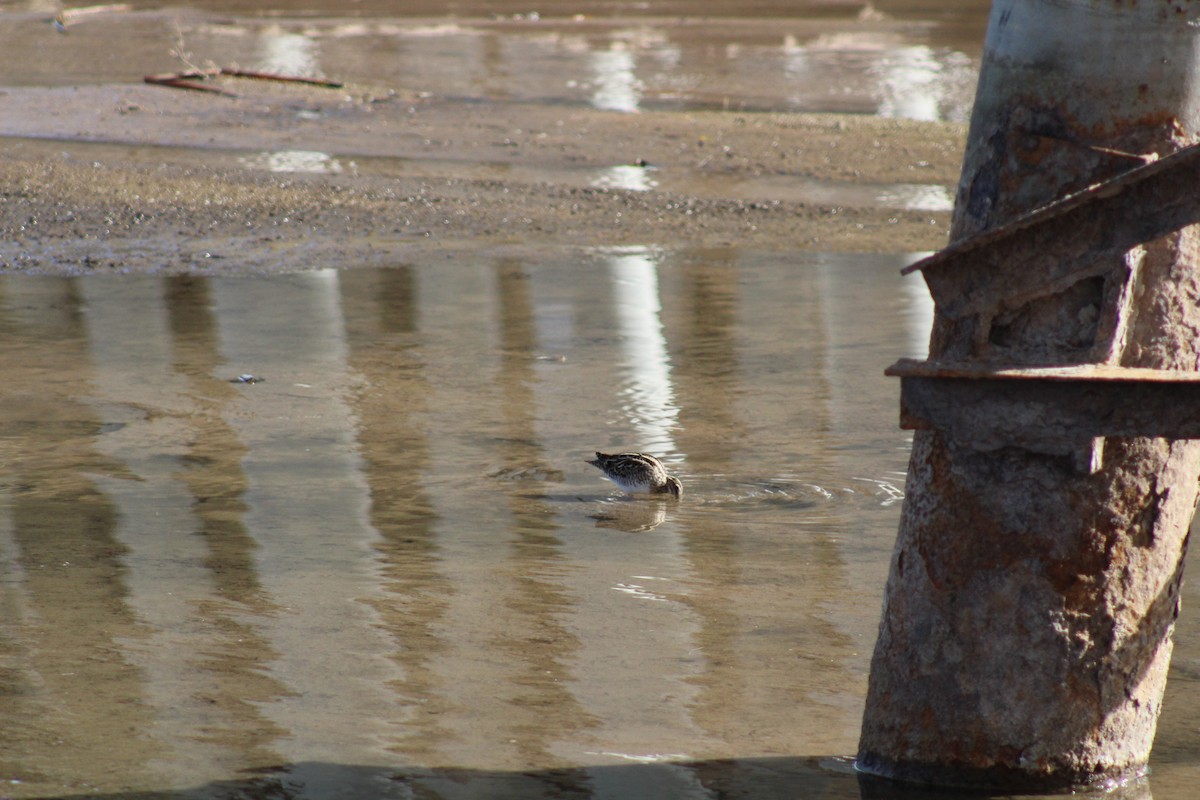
{"x": 917, "y": 313}
{"x": 287, "y": 53}
{"x": 910, "y": 80}
{"x": 798, "y": 71}
{"x": 66, "y": 613}
{"x": 617, "y": 85}
{"x": 165, "y": 571}
{"x": 307, "y": 509}
{"x": 473, "y": 675}
{"x": 648, "y": 397}
{"x": 919, "y": 83}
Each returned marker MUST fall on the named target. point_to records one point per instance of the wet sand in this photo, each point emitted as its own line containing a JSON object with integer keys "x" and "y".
{"x": 138, "y": 178}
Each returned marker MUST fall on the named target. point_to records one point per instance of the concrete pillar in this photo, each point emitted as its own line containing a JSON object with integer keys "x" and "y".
{"x": 1027, "y": 621}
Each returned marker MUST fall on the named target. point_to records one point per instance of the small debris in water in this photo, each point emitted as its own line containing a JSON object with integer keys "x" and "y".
{"x": 246, "y": 377}
{"x": 194, "y": 79}
{"x": 70, "y": 15}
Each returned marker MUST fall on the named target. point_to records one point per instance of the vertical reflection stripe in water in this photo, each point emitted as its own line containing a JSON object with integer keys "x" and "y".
{"x": 307, "y": 509}
{"x": 470, "y": 533}
{"x": 649, "y": 398}
{"x": 143, "y": 402}
{"x": 389, "y": 558}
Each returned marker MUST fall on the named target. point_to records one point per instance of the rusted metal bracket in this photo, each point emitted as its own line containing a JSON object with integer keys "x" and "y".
{"x": 1066, "y": 240}
{"x": 1062, "y": 409}
{"x": 1046, "y": 409}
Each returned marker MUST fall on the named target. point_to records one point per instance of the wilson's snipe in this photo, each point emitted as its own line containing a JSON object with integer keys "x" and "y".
{"x": 638, "y": 473}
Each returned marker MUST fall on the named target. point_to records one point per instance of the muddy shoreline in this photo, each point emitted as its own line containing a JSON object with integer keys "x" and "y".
{"x": 500, "y": 133}
{"x": 138, "y": 178}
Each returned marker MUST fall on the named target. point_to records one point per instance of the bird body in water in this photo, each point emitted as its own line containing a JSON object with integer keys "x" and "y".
{"x": 638, "y": 473}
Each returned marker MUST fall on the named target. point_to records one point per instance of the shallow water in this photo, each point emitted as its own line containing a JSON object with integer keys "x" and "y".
{"x": 379, "y": 566}
{"x": 384, "y": 565}
{"x": 389, "y": 550}
{"x": 895, "y": 59}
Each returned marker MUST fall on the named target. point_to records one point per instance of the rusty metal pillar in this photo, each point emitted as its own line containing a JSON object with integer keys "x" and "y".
{"x": 1027, "y": 620}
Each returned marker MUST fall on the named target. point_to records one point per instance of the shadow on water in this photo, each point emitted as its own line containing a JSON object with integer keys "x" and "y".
{"x": 810, "y": 778}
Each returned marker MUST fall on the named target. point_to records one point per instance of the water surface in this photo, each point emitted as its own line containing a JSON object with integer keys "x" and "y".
{"x": 891, "y": 59}
{"x": 332, "y": 534}
{"x": 388, "y": 550}
{"x": 335, "y": 529}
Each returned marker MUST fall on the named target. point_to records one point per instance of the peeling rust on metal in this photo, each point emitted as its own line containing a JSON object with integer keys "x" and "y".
{"x": 1101, "y": 373}
{"x": 990, "y": 280}
{"x": 1027, "y": 620}
{"x": 1073, "y": 238}
{"x": 1052, "y": 410}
